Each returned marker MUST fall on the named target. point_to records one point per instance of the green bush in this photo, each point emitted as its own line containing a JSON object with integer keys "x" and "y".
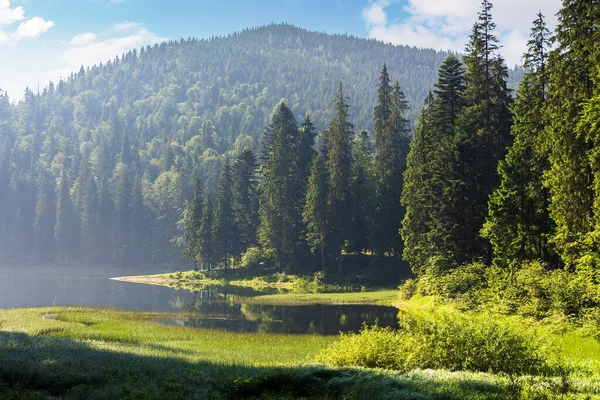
{"x": 251, "y": 257}
{"x": 373, "y": 347}
{"x": 408, "y": 289}
{"x": 441, "y": 341}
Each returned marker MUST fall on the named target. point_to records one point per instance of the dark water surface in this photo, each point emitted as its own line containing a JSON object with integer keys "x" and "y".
{"x": 70, "y": 286}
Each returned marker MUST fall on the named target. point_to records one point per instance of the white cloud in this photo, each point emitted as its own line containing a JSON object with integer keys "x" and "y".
{"x": 90, "y": 49}
{"x": 8, "y": 15}
{"x": 83, "y": 40}
{"x": 374, "y": 14}
{"x": 446, "y": 24}
{"x": 32, "y": 28}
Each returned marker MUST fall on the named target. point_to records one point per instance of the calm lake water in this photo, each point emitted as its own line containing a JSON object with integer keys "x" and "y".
{"x": 70, "y": 286}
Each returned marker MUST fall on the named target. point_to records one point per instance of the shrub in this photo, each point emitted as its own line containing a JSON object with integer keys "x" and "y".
{"x": 469, "y": 343}
{"x": 441, "y": 341}
{"x": 251, "y": 257}
{"x": 408, "y": 289}
{"x": 373, "y": 347}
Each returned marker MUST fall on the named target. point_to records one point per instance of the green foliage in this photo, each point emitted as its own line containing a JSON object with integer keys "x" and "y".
{"x": 251, "y": 257}
{"x": 391, "y": 149}
{"x": 439, "y": 341}
{"x": 339, "y": 166}
{"x": 316, "y": 208}
{"x": 408, "y": 289}
{"x": 224, "y": 229}
{"x": 373, "y": 347}
{"x": 245, "y": 199}
{"x": 193, "y": 224}
{"x": 518, "y": 223}
{"x": 573, "y": 73}
{"x": 431, "y": 182}
{"x": 279, "y": 217}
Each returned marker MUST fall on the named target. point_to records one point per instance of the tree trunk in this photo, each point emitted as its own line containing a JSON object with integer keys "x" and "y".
{"x": 322, "y": 257}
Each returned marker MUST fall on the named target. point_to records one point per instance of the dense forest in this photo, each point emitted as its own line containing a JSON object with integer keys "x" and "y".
{"x": 501, "y": 196}
{"x": 98, "y": 167}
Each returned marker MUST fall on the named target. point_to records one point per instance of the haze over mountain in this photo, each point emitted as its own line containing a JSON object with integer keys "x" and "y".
{"x": 135, "y": 129}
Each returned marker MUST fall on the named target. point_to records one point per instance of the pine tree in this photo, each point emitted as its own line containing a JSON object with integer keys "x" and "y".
{"x": 65, "y": 224}
{"x": 224, "y": 222}
{"x": 88, "y": 210}
{"x": 430, "y": 189}
{"x": 245, "y": 199}
{"x": 363, "y": 194}
{"x": 193, "y": 224}
{"x": 445, "y": 182}
{"x": 390, "y": 161}
{"x": 339, "y": 165}
{"x": 316, "y": 208}
{"x": 279, "y": 216}
{"x": 306, "y": 151}
{"x": 120, "y": 226}
{"x": 483, "y": 137}
{"x": 138, "y": 225}
{"x": 418, "y": 191}
{"x": 206, "y": 244}
{"x": 382, "y": 112}
{"x": 45, "y": 216}
{"x": 518, "y": 224}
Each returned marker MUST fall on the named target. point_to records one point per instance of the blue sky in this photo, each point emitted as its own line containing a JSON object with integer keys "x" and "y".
{"x": 42, "y": 40}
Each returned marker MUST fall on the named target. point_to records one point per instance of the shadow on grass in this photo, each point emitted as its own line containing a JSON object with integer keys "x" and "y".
{"x": 44, "y": 367}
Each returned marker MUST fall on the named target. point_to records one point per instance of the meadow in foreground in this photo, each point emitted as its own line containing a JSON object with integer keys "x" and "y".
{"x": 86, "y": 353}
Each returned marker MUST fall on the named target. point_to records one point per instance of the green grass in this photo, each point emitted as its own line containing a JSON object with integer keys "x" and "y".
{"x": 89, "y": 353}
{"x": 381, "y": 297}
{"x": 83, "y": 353}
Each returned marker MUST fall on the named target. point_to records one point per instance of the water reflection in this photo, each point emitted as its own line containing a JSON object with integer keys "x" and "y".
{"x": 71, "y": 286}
{"x": 226, "y": 312}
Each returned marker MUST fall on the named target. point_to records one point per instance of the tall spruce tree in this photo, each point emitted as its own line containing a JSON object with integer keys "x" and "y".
{"x": 518, "y": 224}
{"x": 65, "y": 220}
{"x": 224, "y": 221}
{"x": 193, "y": 224}
{"x": 45, "y": 216}
{"x": 339, "y": 166}
{"x": 316, "y": 208}
{"x": 245, "y": 199}
{"x": 206, "y": 243}
{"x": 484, "y": 135}
{"x": 363, "y": 194}
{"x": 279, "y": 216}
{"x": 138, "y": 225}
{"x": 418, "y": 191}
{"x": 88, "y": 210}
{"x": 430, "y": 180}
{"x": 392, "y": 147}
{"x": 120, "y": 225}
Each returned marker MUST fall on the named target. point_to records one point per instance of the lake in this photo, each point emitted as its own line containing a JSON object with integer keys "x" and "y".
{"x": 72, "y": 286}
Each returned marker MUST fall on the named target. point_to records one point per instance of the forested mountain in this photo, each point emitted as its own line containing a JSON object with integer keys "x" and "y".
{"x": 99, "y": 166}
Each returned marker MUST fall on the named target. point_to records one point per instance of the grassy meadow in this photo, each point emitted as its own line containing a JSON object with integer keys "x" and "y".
{"x": 93, "y": 353}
